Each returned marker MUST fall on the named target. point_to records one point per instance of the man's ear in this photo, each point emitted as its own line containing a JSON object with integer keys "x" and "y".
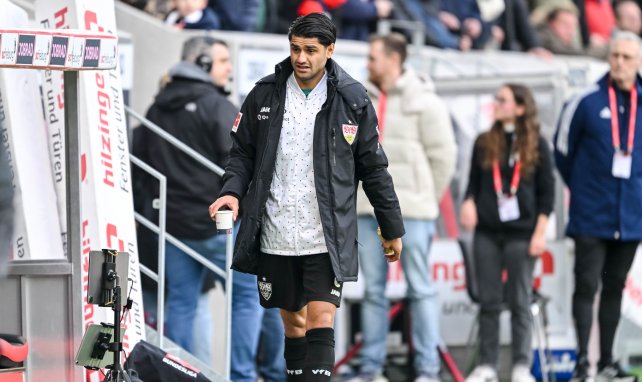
{"x": 329, "y": 51}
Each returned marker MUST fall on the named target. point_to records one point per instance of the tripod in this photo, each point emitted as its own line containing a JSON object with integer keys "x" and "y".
{"x": 116, "y": 372}
{"x": 104, "y": 290}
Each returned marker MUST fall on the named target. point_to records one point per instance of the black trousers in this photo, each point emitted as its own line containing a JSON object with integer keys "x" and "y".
{"x": 493, "y": 254}
{"x": 606, "y": 262}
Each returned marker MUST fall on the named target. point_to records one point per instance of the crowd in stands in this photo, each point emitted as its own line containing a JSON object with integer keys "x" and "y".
{"x": 541, "y": 27}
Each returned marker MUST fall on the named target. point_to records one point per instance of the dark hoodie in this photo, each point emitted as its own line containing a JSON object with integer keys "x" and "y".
{"x": 195, "y": 111}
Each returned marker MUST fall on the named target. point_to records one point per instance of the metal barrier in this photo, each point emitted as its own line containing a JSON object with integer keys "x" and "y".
{"x": 159, "y": 229}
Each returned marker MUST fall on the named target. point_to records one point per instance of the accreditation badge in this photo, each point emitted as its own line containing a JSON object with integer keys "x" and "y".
{"x": 621, "y": 165}
{"x": 508, "y": 208}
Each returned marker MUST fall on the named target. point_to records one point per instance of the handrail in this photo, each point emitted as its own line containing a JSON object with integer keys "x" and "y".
{"x": 162, "y": 220}
{"x": 179, "y": 244}
{"x": 175, "y": 142}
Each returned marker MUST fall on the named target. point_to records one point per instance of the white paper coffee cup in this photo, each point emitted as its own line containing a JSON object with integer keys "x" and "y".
{"x": 224, "y": 219}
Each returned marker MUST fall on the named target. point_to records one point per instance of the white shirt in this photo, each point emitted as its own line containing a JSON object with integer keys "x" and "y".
{"x": 292, "y": 222}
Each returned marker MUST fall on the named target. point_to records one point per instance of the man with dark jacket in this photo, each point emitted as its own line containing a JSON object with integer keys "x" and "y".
{"x": 304, "y": 138}
{"x": 193, "y": 108}
{"x": 597, "y": 151}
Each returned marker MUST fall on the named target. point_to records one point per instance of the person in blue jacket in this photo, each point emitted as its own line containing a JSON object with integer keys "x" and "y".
{"x": 598, "y": 151}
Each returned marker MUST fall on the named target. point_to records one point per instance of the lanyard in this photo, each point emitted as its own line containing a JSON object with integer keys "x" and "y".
{"x": 615, "y": 120}
{"x": 381, "y": 112}
{"x": 497, "y": 178}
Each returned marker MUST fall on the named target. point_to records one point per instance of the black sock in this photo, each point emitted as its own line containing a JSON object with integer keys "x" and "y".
{"x": 320, "y": 359}
{"x": 294, "y": 354}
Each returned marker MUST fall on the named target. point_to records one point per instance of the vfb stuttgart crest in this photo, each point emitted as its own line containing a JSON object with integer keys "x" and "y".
{"x": 349, "y": 132}
{"x": 266, "y": 289}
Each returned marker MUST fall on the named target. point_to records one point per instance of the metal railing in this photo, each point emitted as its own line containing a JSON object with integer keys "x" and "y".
{"x": 163, "y": 236}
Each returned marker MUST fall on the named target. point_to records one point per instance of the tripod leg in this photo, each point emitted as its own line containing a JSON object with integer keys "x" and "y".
{"x": 122, "y": 375}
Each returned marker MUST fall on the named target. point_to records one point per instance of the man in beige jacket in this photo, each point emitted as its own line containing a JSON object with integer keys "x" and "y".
{"x": 415, "y": 129}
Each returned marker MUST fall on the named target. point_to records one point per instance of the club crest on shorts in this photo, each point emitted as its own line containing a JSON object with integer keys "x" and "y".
{"x": 349, "y": 132}
{"x": 266, "y": 289}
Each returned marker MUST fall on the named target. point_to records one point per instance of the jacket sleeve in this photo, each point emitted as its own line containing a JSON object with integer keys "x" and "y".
{"x": 371, "y": 166}
{"x": 225, "y": 114}
{"x": 568, "y": 132}
{"x": 438, "y": 140}
{"x": 474, "y": 174}
{"x": 240, "y": 165}
{"x": 544, "y": 180}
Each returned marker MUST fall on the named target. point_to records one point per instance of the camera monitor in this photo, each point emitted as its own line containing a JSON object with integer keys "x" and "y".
{"x": 104, "y": 266}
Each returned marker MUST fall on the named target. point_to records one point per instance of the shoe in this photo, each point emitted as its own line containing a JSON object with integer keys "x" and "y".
{"x": 521, "y": 373}
{"x": 368, "y": 378}
{"x": 581, "y": 372}
{"x": 427, "y": 378}
{"x": 614, "y": 373}
{"x": 483, "y": 373}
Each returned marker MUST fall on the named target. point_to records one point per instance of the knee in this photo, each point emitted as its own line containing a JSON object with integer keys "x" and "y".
{"x": 293, "y": 324}
{"x": 324, "y": 319}
{"x": 585, "y": 285}
{"x": 375, "y": 294}
{"x": 490, "y": 308}
{"x": 613, "y": 285}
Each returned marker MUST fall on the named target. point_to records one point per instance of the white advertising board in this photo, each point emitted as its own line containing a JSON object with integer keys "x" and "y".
{"x": 107, "y": 219}
{"x": 37, "y": 232}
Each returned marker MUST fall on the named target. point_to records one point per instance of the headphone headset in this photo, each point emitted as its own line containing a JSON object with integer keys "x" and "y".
{"x": 205, "y": 62}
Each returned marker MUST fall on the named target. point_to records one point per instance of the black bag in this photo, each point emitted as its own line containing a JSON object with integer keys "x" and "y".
{"x": 153, "y": 364}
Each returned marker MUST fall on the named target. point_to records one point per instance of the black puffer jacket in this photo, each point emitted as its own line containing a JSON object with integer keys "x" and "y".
{"x": 338, "y": 166}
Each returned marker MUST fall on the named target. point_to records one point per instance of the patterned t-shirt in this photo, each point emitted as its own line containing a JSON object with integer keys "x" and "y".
{"x": 292, "y": 222}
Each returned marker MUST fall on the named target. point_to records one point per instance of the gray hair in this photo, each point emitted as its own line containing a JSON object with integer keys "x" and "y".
{"x": 620, "y": 35}
{"x": 199, "y": 45}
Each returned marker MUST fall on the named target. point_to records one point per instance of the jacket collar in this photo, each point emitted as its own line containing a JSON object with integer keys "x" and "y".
{"x": 604, "y": 83}
{"x": 189, "y": 71}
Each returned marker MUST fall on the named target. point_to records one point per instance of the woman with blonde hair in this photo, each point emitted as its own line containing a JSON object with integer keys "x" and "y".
{"x": 509, "y": 197}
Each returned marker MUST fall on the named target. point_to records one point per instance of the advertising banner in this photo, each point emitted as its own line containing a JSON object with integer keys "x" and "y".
{"x": 106, "y": 190}
{"x": 37, "y": 232}
{"x": 54, "y": 105}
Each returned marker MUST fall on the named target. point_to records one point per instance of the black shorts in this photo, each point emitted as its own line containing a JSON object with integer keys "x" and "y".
{"x": 290, "y": 282}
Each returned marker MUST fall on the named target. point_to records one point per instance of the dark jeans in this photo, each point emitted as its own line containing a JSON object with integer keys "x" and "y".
{"x": 493, "y": 254}
{"x": 607, "y": 261}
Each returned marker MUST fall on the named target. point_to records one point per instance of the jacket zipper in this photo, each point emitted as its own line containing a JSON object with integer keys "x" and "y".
{"x": 330, "y": 189}
{"x": 267, "y": 139}
{"x": 334, "y": 146}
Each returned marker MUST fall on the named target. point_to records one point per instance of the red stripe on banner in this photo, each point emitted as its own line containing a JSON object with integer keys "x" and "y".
{"x": 448, "y": 215}
{"x": 12, "y": 376}
{"x": 548, "y": 263}
{"x": 381, "y": 113}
